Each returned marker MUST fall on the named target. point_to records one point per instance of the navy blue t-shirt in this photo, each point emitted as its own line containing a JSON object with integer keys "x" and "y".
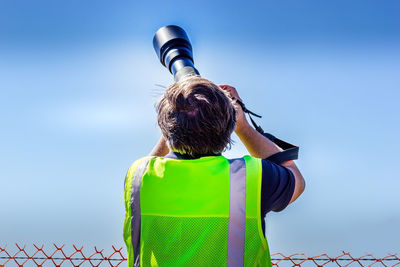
{"x": 277, "y": 185}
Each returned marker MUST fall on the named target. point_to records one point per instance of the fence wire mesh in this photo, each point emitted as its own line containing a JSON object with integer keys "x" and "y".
{"x": 76, "y": 256}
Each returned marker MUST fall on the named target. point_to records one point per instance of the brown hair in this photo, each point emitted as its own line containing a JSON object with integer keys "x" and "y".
{"x": 196, "y": 117}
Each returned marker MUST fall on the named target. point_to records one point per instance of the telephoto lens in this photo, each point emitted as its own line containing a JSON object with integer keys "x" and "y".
{"x": 174, "y": 50}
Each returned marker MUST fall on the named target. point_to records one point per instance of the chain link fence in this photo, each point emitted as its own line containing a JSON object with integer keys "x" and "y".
{"x": 77, "y": 256}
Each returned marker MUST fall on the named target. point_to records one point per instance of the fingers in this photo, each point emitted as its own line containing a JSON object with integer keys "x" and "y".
{"x": 231, "y": 91}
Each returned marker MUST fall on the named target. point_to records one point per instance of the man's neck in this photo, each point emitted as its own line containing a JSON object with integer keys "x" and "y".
{"x": 177, "y": 155}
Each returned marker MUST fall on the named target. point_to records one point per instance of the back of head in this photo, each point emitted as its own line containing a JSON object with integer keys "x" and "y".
{"x": 196, "y": 117}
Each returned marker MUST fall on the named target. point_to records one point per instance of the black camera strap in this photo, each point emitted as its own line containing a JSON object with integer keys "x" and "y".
{"x": 290, "y": 152}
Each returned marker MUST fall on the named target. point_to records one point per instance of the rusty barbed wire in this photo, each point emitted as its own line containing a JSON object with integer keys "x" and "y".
{"x": 344, "y": 259}
{"x": 59, "y": 256}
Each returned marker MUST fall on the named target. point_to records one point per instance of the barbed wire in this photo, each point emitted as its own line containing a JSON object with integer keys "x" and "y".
{"x": 344, "y": 259}
{"x": 59, "y": 256}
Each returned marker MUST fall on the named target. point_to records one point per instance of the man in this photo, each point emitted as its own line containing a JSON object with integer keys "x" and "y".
{"x": 186, "y": 204}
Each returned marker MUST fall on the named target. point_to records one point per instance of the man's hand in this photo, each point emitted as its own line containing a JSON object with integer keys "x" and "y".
{"x": 241, "y": 120}
{"x": 258, "y": 145}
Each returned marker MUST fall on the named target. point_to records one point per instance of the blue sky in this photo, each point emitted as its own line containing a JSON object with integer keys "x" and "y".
{"x": 77, "y": 94}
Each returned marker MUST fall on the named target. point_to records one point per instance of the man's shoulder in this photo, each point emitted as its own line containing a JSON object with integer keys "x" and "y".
{"x": 137, "y": 162}
{"x": 277, "y": 186}
{"x": 245, "y": 157}
{"x": 252, "y": 162}
{"x": 134, "y": 166}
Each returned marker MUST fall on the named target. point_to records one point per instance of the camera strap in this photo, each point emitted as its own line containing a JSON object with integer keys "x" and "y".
{"x": 290, "y": 151}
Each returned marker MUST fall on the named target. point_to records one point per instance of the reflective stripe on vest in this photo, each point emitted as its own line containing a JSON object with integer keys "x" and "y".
{"x": 135, "y": 208}
{"x": 237, "y": 212}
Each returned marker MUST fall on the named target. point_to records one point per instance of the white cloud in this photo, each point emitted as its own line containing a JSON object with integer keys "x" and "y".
{"x": 98, "y": 117}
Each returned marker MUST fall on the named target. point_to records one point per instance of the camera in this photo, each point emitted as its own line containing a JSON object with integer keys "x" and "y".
{"x": 174, "y": 50}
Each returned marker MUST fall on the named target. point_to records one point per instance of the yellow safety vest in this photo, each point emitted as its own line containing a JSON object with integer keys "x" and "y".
{"x": 200, "y": 212}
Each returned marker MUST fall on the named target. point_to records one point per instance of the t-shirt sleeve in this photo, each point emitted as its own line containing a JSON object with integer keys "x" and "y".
{"x": 277, "y": 187}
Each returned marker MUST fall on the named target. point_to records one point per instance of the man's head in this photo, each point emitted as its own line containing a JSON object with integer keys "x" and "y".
{"x": 196, "y": 117}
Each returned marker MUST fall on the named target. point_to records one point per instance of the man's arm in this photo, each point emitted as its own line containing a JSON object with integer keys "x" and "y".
{"x": 259, "y": 146}
{"x": 160, "y": 149}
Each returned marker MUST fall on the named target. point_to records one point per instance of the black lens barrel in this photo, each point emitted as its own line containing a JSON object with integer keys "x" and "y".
{"x": 174, "y": 50}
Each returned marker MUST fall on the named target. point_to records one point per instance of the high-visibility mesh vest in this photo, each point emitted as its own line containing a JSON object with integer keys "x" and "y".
{"x": 200, "y": 212}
